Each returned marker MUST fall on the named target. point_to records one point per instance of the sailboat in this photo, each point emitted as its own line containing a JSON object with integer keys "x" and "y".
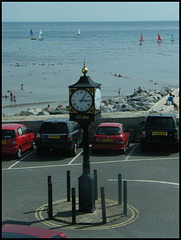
{"x": 172, "y": 38}
{"x": 41, "y": 35}
{"x": 141, "y": 39}
{"x": 31, "y": 34}
{"x": 78, "y": 32}
{"x": 159, "y": 38}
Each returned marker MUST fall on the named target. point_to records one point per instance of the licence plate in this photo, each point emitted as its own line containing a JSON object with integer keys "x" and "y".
{"x": 3, "y": 141}
{"x": 53, "y": 136}
{"x": 160, "y": 133}
{"x": 107, "y": 140}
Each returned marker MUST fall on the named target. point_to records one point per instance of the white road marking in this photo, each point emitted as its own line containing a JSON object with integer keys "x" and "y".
{"x": 92, "y": 163}
{"x": 75, "y": 158}
{"x": 126, "y": 159}
{"x": 147, "y": 181}
{"x": 20, "y": 160}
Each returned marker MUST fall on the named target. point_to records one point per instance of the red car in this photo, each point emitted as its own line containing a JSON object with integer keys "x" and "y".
{"x": 23, "y": 231}
{"x": 16, "y": 138}
{"x": 110, "y": 136}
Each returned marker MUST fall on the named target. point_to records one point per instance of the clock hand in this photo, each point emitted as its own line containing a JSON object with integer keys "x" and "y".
{"x": 83, "y": 98}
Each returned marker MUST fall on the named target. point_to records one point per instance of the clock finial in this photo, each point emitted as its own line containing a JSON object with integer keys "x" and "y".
{"x": 84, "y": 69}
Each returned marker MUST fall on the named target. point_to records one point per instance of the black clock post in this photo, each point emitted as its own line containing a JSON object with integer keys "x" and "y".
{"x": 84, "y": 108}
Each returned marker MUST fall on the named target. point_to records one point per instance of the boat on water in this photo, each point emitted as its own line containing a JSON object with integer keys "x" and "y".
{"x": 141, "y": 38}
{"x": 78, "y": 32}
{"x": 171, "y": 38}
{"x": 31, "y": 34}
{"x": 41, "y": 37}
{"x": 159, "y": 38}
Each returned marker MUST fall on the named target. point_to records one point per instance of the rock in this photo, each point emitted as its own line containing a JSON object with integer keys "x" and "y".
{"x": 163, "y": 93}
{"x": 23, "y": 113}
{"x": 43, "y": 113}
{"x": 33, "y": 111}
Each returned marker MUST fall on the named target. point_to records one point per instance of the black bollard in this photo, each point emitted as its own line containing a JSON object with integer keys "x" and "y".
{"x": 73, "y": 207}
{"x": 68, "y": 186}
{"x": 125, "y": 198}
{"x": 103, "y": 205}
{"x": 95, "y": 185}
{"x": 50, "y": 208}
{"x": 49, "y": 179}
{"x": 119, "y": 188}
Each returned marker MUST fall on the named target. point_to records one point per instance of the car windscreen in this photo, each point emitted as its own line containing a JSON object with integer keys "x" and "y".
{"x": 108, "y": 131}
{"x": 54, "y": 128}
{"x": 8, "y": 134}
{"x": 159, "y": 123}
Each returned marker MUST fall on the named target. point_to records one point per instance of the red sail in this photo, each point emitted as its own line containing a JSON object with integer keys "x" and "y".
{"x": 141, "y": 37}
{"x": 159, "y": 38}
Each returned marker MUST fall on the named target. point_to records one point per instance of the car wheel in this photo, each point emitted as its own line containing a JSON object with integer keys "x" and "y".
{"x": 19, "y": 153}
{"x": 123, "y": 151}
{"x": 74, "y": 150}
{"x": 33, "y": 145}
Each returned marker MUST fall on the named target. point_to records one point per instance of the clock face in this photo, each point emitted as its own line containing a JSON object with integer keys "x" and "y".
{"x": 81, "y": 100}
{"x": 97, "y": 99}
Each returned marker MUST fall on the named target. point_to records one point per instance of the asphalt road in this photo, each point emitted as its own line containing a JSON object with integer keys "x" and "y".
{"x": 153, "y": 190}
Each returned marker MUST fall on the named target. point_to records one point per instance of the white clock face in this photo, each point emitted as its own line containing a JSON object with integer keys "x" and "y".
{"x": 81, "y": 100}
{"x": 97, "y": 99}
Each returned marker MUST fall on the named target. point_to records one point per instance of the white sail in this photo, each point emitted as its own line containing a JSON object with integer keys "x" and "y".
{"x": 78, "y": 32}
{"x": 41, "y": 35}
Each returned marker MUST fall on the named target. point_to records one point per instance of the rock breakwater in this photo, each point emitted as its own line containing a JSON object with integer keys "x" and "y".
{"x": 140, "y": 100}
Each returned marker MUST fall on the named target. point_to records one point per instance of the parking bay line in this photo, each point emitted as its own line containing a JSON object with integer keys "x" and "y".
{"x": 20, "y": 160}
{"x": 92, "y": 163}
{"x": 75, "y": 158}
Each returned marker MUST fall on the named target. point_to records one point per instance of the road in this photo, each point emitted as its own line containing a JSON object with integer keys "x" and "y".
{"x": 153, "y": 190}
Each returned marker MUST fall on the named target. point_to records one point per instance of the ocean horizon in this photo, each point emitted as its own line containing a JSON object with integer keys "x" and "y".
{"x": 111, "y": 49}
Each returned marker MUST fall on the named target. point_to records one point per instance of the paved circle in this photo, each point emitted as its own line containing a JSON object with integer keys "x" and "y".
{"x": 114, "y": 216}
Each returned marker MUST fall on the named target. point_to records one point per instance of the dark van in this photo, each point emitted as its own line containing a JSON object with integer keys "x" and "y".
{"x": 59, "y": 134}
{"x": 160, "y": 129}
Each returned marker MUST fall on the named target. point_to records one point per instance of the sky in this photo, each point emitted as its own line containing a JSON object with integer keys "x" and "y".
{"x": 89, "y": 11}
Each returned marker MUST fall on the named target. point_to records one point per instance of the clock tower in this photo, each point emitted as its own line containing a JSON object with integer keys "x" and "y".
{"x": 84, "y": 105}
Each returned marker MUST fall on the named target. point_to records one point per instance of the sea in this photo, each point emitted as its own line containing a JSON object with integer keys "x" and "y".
{"x": 112, "y": 52}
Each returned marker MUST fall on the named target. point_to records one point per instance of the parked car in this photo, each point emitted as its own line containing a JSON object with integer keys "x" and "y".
{"x": 110, "y": 136}
{"x": 160, "y": 129}
{"x": 59, "y": 134}
{"x": 17, "y": 138}
{"x": 23, "y": 231}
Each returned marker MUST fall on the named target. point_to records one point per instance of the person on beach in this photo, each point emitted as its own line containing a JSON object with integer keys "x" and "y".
{"x": 119, "y": 91}
{"x": 170, "y": 101}
{"x": 11, "y": 95}
{"x": 15, "y": 98}
{"x": 175, "y": 105}
{"x": 22, "y": 86}
{"x": 47, "y": 108}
